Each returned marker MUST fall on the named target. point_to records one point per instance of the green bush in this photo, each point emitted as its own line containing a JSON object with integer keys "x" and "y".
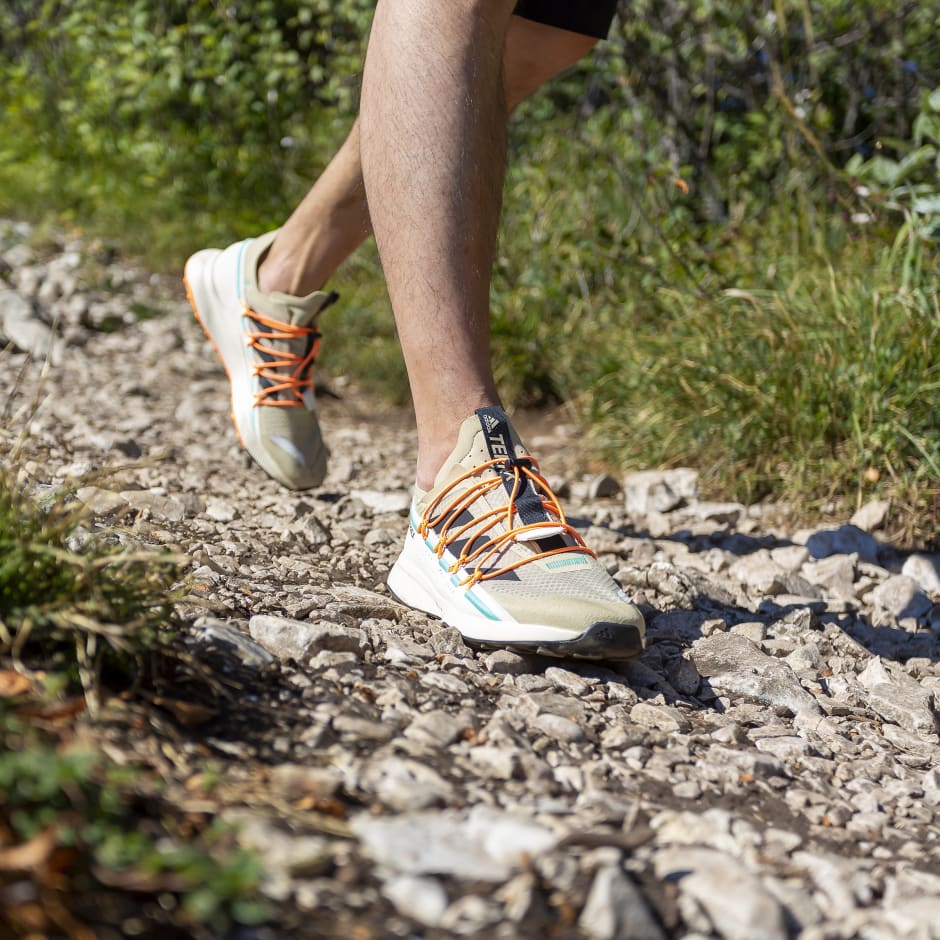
{"x": 182, "y": 108}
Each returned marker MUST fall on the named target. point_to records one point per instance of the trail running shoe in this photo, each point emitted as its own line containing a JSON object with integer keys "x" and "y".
{"x": 489, "y": 551}
{"x": 268, "y": 344}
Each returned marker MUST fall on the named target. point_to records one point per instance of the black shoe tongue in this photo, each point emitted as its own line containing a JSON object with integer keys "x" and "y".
{"x": 500, "y": 446}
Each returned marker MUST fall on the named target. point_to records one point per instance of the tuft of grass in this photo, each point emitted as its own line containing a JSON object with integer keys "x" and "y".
{"x": 817, "y": 382}
{"x": 75, "y": 598}
{"x": 82, "y": 840}
{"x": 63, "y": 587}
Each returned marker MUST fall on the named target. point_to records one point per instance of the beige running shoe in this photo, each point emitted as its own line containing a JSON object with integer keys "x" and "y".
{"x": 268, "y": 344}
{"x": 489, "y": 551}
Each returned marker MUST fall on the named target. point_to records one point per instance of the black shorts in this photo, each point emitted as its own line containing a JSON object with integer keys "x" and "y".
{"x": 590, "y": 17}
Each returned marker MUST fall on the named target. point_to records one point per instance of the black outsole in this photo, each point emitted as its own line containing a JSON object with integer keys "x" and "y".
{"x": 601, "y": 641}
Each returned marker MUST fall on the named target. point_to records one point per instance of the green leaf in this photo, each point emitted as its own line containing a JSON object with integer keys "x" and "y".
{"x": 927, "y": 205}
{"x": 921, "y": 157}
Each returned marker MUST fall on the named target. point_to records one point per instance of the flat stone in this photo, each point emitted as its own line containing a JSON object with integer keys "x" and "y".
{"x": 505, "y": 662}
{"x": 837, "y": 572}
{"x": 360, "y": 602}
{"x": 871, "y": 516}
{"x": 297, "y": 639}
{"x": 212, "y": 632}
{"x": 711, "y": 828}
{"x": 333, "y": 663}
{"x": 379, "y": 501}
{"x": 920, "y": 745}
{"x": 661, "y": 717}
{"x": 219, "y": 510}
{"x": 906, "y": 705}
{"x": 790, "y": 557}
{"x": 733, "y": 899}
{"x": 616, "y": 910}
{"x": 559, "y": 728}
{"x": 754, "y": 630}
{"x": 733, "y": 664}
{"x": 784, "y": 747}
{"x": 494, "y": 762}
{"x": 445, "y": 682}
{"x": 569, "y": 681}
{"x": 659, "y": 490}
{"x": 805, "y": 659}
{"x": 874, "y": 674}
{"x": 403, "y": 784}
{"x": 483, "y": 844}
{"x": 925, "y": 571}
{"x": 101, "y": 502}
{"x": 901, "y": 597}
{"x": 421, "y": 899}
{"x": 759, "y": 572}
{"x": 20, "y": 325}
{"x": 157, "y": 506}
{"x": 436, "y": 727}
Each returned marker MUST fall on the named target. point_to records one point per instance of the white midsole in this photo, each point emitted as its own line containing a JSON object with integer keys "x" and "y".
{"x": 418, "y": 580}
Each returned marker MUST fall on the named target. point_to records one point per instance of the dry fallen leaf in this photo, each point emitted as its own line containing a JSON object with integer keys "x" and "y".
{"x": 67, "y": 709}
{"x": 30, "y": 856}
{"x": 13, "y": 684}
{"x": 189, "y": 713}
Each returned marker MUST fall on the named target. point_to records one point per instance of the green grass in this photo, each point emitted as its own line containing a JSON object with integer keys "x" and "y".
{"x": 72, "y": 596}
{"x": 805, "y": 385}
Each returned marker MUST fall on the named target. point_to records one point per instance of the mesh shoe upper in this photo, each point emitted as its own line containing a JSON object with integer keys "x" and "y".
{"x": 494, "y": 518}
{"x": 268, "y": 344}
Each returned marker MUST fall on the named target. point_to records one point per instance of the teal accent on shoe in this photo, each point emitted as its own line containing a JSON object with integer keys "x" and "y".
{"x": 479, "y": 606}
{"x": 454, "y": 579}
{"x": 239, "y": 280}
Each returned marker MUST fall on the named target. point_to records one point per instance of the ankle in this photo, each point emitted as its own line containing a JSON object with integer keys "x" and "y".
{"x": 281, "y": 274}
{"x": 429, "y": 465}
{"x": 436, "y": 443}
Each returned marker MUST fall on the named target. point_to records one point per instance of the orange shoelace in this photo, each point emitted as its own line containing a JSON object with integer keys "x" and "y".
{"x": 479, "y": 527}
{"x": 297, "y": 376}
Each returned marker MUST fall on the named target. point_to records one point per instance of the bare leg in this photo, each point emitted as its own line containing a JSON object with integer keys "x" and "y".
{"x": 333, "y": 219}
{"x": 433, "y": 139}
{"x": 330, "y": 223}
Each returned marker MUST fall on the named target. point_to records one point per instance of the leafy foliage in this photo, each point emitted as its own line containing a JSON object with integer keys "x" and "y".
{"x": 77, "y": 826}
{"x": 179, "y": 104}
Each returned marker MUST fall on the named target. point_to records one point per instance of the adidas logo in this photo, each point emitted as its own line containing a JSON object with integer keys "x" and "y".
{"x": 489, "y": 422}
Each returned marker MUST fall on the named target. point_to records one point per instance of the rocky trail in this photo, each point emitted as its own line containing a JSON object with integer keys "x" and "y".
{"x": 769, "y": 767}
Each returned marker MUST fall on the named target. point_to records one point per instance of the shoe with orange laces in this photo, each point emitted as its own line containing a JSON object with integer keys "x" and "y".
{"x": 490, "y": 552}
{"x": 268, "y": 344}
